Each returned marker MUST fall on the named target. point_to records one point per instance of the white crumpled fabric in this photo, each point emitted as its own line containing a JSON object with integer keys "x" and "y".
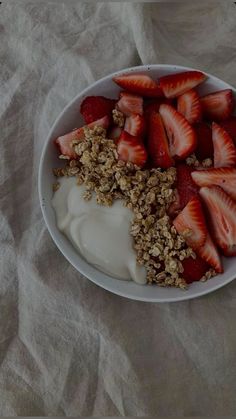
{"x": 68, "y": 347}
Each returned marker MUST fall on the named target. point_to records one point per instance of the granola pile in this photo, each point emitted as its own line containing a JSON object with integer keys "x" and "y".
{"x": 148, "y": 193}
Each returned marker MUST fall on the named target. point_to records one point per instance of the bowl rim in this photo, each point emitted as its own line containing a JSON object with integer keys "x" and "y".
{"x": 140, "y": 68}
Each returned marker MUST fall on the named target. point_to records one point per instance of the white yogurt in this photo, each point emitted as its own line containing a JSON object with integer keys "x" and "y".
{"x": 101, "y": 234}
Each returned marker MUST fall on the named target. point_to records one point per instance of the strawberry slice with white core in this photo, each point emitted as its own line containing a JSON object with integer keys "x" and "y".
{"x": 190, "y": 107}
{"x": 230, "y": 126}
{"x": 182, "y": 137}
{"x": 224, "y": 148}
{"x": 222, "y": 210}
{"x": 135, "y": 125}
{"x": 218, "y": 106}
{"x": 158, "y": 143}
{"x": 139, "y": 83}
{"x": 225, "y": 177}
{"x": 190, "y": 223}
{"x": 175, "y": 85}
{"x": 210, "y": 254}
{"x": 64, "y": 142}
{"x": 130, "y": 104}
{"x": 131, "y": 149}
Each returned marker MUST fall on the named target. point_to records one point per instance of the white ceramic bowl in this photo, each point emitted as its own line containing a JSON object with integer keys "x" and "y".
{"x": 69, "y": 119}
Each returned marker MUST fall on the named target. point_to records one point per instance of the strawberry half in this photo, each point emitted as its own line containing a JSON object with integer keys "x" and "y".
{"x": 224, "y": 148}
{"x": 210, "y": 254}
{"x": 135, "y": 125}
{"x": 190, "y": 224}
{"x": 158, "y": 147}
{"x": 204, "y": 149}
{"x": 222, "y": 210}
{"x": 194, "y": 269}
{"x": 64, "y": 142}
{"x": 177, "y": 84}
{"x": 130, "y": 104}
{"x": 186, "y": 188}
{"x": 225, "y": 177}
{"x": 131, "y": 149}
{"x": 190, "y": 107}
{"x": 230, "y": 126}
{"x": 139, "y": 83}
{"x": 182, "y": 137}
{"x": 95, "y": 107}
{"x": 218, "y": 106}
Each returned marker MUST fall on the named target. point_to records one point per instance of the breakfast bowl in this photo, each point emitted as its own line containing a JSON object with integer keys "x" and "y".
{"x": 66, "y": 122}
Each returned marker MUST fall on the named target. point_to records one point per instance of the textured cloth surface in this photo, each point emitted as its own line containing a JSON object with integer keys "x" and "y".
{"x": 68, "y": 347}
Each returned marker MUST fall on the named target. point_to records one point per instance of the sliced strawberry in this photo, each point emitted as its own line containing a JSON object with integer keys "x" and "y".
{"x": 190, "y": 107}
{"x": 153, "y": 105}
{"x": 224, "y": 148}
{"x": 186, "y": 188}
{"x": 130, "y": 104}
{"x": 177, "y": 84}
{"x": 158, "y": 144}
{"x": 204, "y": 149}
{"x": 139, "y": 83}
{"x": 194, "y": 269}
{"x": 95, "y": 107}
{"x": 230, "y": 126}
{"x": 190, "y": 223}
{"x": 64, "y": 142}
{"x": 210, "y": 254}
{"x": 222, "y": 211}
{"x": 182, "y": 137}
{"x": 218, "y": 106}
{"x": 135, "y": 125}
{"x": 131, "y": 149}
{"x": 115, "y": 132}
{"x": 225, "y": 177}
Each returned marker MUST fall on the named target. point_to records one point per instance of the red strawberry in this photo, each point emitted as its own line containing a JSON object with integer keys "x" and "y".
{"x": 182, "y": 137}
{"x": 153, "y": 105}
{"x": 210, "y": 254}
{"x": 177, "y": 84}
{"x": 222, "y": 211}
{"x": 139, "y": 83}
{"x": 95, "y": 107}
{"x": 189, "y": 106}
{"x": 130, "y": 104}
{"x": 223, "y": 177}
{"x": 218, "y": 106}
{"x": 190, "y": 223}
{"x": 186, "y": 188}
{"x": 194, "y": 269}
{"x": 230, "y": 126}
{"x": 157, "y": 143}
{"x": 135, "y": 125}
{"x": 204, "y": 149}
{"x": 64, "y": 142}
{"x": 114, "y": 132}
{"x": 131, "y": 149}
{"x": 224, "y": 148}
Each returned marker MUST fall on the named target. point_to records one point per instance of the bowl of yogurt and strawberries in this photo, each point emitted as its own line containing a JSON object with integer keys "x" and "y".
{"x": 137, "y": 183}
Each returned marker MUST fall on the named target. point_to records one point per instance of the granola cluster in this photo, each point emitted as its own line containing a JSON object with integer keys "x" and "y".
{"x": 148, "y": 193}
{"x": 193, "y": 161}
{"x": 118, "y": 118}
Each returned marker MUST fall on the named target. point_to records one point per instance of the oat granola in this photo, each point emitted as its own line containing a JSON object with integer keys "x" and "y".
{"x": 148, "y": 193}
{"x": 118, "y": 118}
